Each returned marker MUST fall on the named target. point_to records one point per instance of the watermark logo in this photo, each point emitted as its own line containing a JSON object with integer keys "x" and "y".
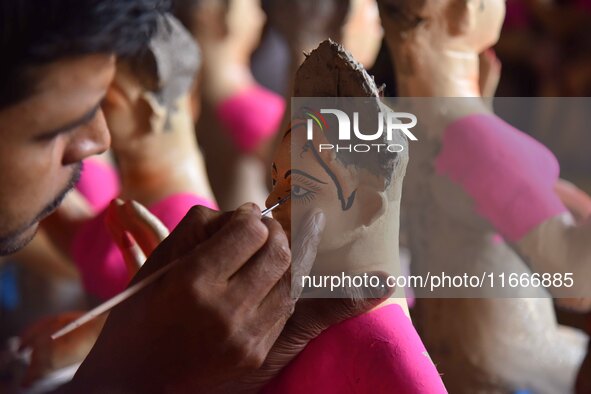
{"x": 388, "y": 122}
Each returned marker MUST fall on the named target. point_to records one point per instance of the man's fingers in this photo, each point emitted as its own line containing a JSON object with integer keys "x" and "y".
{"x": 304, "y": 248}
{"x": 279, "y": 303}
{"x": 311, "y": 317}
{"x": 280, "y": 300}
{"x": 233, "y": 245}
{"x": 188, "y": 234}
{"x": 270, "y": 262}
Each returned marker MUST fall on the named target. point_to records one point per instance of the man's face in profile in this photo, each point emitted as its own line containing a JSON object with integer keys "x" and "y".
{"x": 44, "y": 138}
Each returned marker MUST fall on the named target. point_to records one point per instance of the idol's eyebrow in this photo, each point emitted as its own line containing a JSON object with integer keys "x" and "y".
{"x": 87, "y": 117}
{"x": 274, "y": 166}
{"x": 289, "y": 172}
{"x": 288, "y": 132}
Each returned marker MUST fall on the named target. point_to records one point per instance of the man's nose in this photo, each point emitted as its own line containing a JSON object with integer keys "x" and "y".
{"x": 89, "y": 140}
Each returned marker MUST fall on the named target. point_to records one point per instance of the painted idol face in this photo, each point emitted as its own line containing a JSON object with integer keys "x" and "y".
{"x": 319, "y": 180}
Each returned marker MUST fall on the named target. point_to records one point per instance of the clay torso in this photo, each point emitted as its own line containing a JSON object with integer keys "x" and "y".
{"x": 480, "y": 345}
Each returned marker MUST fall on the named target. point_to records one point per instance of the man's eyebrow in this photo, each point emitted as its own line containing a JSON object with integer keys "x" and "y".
{"x": 300, "y": 172}
{"x": 274, "y": 166}
{"x": 87, "y": 117}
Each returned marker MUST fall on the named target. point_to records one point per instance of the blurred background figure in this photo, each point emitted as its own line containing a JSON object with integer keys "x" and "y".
{"x": 238, "y": 116}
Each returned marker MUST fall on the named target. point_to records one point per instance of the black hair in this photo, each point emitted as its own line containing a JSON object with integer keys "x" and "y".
{"x": 38, "y": 32}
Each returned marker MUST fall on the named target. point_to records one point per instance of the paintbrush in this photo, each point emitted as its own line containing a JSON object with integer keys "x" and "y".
{"x": 129, "y": 292}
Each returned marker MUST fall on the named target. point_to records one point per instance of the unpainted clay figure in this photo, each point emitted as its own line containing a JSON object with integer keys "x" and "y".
{"x": 472, "y": 178}
{"x": 148, "y": 113}
{"x": 363, "y": 33}
{"x": 238, "y": 116}
{"x": 378, "y": 352}
{"x": 148, "y": 110}
{"x": 303, "y": 26}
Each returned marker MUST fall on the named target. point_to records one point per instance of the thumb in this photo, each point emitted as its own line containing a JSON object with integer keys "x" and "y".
{"x": 304, "y": 247}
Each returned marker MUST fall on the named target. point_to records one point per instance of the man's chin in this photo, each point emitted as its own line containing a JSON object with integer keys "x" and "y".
{"x": 13, "y": 243}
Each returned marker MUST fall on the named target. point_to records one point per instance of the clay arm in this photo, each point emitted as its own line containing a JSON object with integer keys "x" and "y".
{"x": 571, "y": 239}
{"x": 323, "y": 19}
{"x": 577, "y": 201}
{"x": 558, "y": 245}
{"x": 512, "y": 179}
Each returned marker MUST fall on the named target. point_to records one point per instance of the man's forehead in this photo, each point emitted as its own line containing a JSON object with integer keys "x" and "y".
{"x": 87, "y": 72}
{"x": 65, "y": 91}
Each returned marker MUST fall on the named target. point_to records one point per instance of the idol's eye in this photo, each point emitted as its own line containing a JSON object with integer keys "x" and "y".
{"x": 303, "y": 194}
{"x": 299, "y": 192}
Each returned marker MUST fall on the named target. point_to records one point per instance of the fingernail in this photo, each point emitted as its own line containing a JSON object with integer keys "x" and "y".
{"x": 246, "y": 210}
{"x": 127, "y": 240}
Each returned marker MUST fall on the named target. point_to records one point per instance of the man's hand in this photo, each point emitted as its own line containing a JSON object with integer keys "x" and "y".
{"x": 47, "y": 355}
{"x": 210, "y": 320}
{"x": 312, "y": 315}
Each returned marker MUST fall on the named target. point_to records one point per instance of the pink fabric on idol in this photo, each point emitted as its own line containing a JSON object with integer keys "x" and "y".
{"x": 97, "y": 257}
{"x": 251, "y": 116}
{"x": 376, "y": 353}
{"x": 99, "y": 184}
{"x": 510, "y": 175}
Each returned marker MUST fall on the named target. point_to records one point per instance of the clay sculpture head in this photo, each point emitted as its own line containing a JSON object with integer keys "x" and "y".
{"x": 148, "y": 89}
{"x": 464, "y": 25}
{"x": 435, "y": 43}
{"x": 358, "y": 192}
